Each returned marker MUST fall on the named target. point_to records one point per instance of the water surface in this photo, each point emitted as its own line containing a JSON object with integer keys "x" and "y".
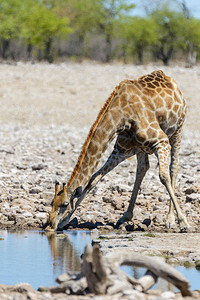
{"x": 40, "y": 257}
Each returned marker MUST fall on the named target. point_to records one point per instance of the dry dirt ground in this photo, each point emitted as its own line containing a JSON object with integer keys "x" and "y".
{"x": 45, "y": 115}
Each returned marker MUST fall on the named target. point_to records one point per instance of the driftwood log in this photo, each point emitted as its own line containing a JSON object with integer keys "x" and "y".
{"x": 158, "y": 268}
{"x": 102, "y": 275}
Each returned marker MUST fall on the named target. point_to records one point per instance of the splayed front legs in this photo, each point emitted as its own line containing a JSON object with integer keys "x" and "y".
{"x": 116, "y": 157}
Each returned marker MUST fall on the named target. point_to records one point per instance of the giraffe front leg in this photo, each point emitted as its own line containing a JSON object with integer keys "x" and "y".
{"x": 114, "y": 159}
{"x": 142, "y": 167}
{"x": 162, "y": 152}
{"x": 64, "y": 220}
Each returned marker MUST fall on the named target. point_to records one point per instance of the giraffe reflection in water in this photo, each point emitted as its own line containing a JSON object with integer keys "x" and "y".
{"x": 66, "y": 249}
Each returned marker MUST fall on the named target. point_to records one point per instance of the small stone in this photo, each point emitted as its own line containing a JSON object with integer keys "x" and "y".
{"x": 27, "y": 214}
{"x": 190, "y": 180}
{"x": 197, "y": 264}
{"x": 34, "y": 191}
{"x": 22, "y": 288}
{"x": 134, "y": 294}
{"x": 147, "y": 222}
{"x": 192, "y": 197}
{"x": 38, "y": 167}
{"x": 154, "y": 292}
{"x": 161, "y": 198}
{"x": 155, "y": 208}
{"x": 167, "y": 295}
{"x": 63, "y": 277}
{"x": 191, "y": 190}
{"x": 6, "y": 205}
{"x": 12, "y": 217}
{"x": 25, "y": 186}
{"x": 41, "y": 215}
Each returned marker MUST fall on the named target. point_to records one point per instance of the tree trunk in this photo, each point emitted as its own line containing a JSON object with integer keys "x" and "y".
{"x": 108, "y": 47}
{"x": 139, "y": 49}
{"x": 29, "y": 51}
{"x": 5, "y": 48}
{"x": 166, "y": 54}
{"x": 48, "y": 51}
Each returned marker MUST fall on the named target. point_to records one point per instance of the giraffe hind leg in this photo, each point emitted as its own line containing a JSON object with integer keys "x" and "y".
{"x": 162, "y": 151}
{"x": 175, "y": 142}
{"x": 170, "y": 221}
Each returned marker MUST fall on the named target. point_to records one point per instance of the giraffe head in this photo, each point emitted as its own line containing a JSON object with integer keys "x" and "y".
{"x": 60, "y": 198}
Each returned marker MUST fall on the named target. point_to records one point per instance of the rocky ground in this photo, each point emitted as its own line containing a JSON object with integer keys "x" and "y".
{"x": 45, "y": 115}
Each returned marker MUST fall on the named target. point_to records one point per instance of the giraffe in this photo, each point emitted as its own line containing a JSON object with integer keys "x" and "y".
{"x": 146, "y": 115}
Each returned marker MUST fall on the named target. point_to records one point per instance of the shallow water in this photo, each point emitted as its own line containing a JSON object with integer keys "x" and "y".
{"x": 39, "y": 258}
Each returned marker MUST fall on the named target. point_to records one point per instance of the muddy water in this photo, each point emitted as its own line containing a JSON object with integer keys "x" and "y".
{"x": 39, "y": 258}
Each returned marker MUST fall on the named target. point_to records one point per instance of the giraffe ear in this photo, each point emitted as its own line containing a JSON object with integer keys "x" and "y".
{"x": 64, "y": 186}
{"x": 56, "y": 187}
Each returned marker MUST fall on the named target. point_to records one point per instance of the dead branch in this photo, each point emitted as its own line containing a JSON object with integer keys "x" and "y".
{"x": 94, "y": 270}
{"x": 160, "y": 269}
{"x": 102, "y": 275}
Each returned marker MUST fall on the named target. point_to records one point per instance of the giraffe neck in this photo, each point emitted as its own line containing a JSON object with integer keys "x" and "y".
{"x": 100, "y": 134}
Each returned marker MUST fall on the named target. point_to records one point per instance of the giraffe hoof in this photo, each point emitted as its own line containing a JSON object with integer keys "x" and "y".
{"x": 184, "y": 229}
{"x": 126, "y": 217}
{"x": 120, "y": 222}
{"x": 184, "y": 226}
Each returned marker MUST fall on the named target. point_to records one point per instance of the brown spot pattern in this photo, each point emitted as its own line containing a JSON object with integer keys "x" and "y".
{"x": 149, "y": 102}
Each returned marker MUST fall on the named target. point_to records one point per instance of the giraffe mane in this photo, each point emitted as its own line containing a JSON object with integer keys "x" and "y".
{"x": 90, "y": 135}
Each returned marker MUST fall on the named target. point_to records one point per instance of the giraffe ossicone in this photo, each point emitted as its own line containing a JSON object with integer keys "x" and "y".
{"x": 147, "y": 116}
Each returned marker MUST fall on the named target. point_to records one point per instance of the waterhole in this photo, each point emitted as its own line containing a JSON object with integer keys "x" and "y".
{"x": 39, "y": 258}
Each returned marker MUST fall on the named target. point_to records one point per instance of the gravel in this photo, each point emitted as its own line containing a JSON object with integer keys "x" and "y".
{"x": 46, "y": 112}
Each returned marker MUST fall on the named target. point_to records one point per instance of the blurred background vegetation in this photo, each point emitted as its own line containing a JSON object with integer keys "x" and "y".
{"x": 103, "y": 30}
